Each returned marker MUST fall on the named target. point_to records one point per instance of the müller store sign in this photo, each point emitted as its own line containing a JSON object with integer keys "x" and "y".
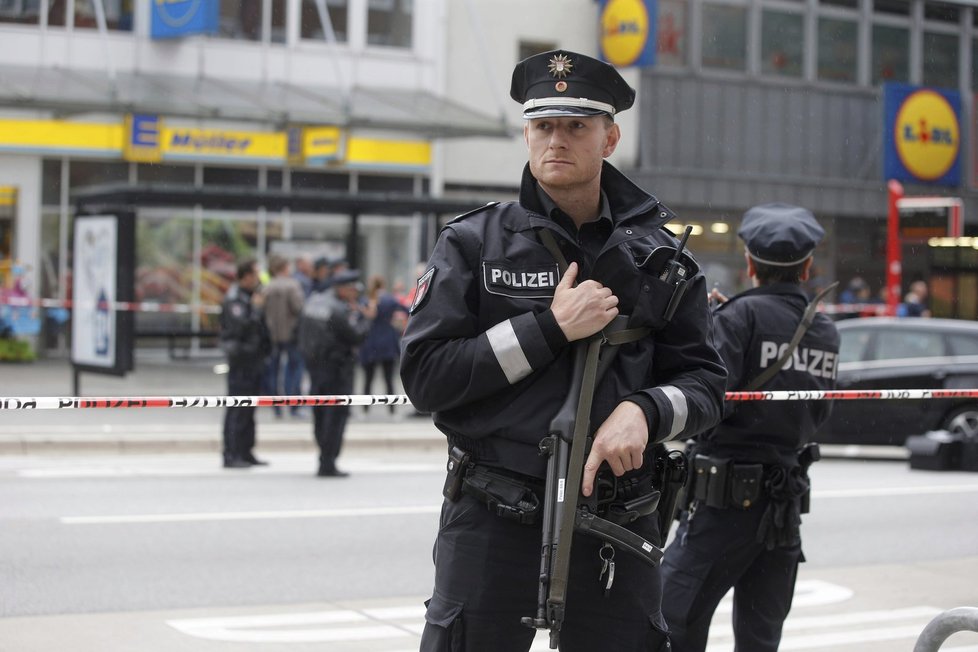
{"x": 922, "y": 135}
{"x": 148, "y": 139}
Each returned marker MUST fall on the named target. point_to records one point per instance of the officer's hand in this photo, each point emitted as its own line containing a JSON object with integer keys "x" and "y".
{"x": 717, "y": 297}
{"x": 620, "y": 441}
{"x": 584, "y": 310}
{"x": 258, "y": 299}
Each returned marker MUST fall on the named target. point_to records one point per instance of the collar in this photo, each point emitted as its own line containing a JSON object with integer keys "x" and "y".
{"x": 549, "y": 206}
{"x": 774, "y": 289}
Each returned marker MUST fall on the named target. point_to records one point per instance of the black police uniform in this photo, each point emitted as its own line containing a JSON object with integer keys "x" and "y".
{"x": 244, "y": 339}
{"x": 730, "y": 537}
{"x": 484, "y": 353}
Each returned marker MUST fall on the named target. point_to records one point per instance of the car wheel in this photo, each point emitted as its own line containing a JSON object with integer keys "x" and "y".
{"x": 963, "y": 421}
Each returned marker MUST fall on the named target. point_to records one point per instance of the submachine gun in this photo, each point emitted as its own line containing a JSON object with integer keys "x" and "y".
{"x": 565, "y": 448}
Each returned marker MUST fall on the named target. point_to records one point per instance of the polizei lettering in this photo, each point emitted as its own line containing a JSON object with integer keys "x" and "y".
{"x": 818, "y": 363}
{"x": 529, "y": 282}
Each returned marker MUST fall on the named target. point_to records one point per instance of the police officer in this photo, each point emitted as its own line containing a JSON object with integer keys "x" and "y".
{"x": 245, "y": 341}
{"x": 749, "y": 482}
{"x": 487, "y": 350}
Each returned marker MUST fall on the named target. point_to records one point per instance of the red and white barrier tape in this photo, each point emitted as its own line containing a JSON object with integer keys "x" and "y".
{"x": 76, "y": 402}
{"x": 129, "y": 306}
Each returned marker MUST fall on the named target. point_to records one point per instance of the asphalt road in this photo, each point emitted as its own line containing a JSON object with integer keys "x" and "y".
{"x": 158, "y": 553}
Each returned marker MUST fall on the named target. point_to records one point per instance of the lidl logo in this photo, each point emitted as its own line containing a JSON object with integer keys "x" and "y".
{"x": 628, "y": 32}
{"x": 924, "y": 143}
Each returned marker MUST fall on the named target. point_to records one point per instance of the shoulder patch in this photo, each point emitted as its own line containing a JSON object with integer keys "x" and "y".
{"x": 421, "y": 291}
{"x": 473, "y": 212}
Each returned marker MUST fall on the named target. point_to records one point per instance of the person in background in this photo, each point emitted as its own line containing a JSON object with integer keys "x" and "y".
{"x": 304, "y": 273}
{"x": 382, "y": 346}
{"x": 749, "y": 476}
{"x": 283, "y": 303}
{"x": 244, "y": 340}
{"x": 332, "y": 325}
{"x": 915, "y": 302}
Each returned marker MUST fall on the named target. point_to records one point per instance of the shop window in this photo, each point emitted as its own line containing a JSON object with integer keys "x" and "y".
{"x": 51, "y": 182}
{"x": 23, "y": 12}
{"x": 891, "y": 54}
{"x": 671, "y": 33}
{"x": 898, "y": 7}
{"x": 273, "y": 179}
{"x": 312, "y": 24}
{"x": 837, "y": 49}
{"x": 118, "y": 14}
{"x": 57, "y": 13}
{"x": 782, "y": 43}
{"x": 384, "y": 183}
{"x": 839, "y": 3}
{"x": 242, "y": 19}
{"x": 389, "y": 22}
{"x": 724, "y": 37}
{"x": 303, "y": 180}
{"x": 941, "y": 60}
{"x": 91, "y": 173}
{"x": 940, "y": 12}
{"x": 214, "y": 176}
{"x": 159, "y": 173}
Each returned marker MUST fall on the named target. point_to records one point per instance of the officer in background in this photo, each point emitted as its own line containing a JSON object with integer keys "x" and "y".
{"x": 245, "y": 341}
{"x": 331, "y": 326}
{"x": 749, "y": 481}
{"x": 487, "y": 350}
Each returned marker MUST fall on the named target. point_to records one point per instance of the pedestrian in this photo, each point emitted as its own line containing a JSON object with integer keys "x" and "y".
{"x": 283, "y": 303}
{"x": 382, "y": 346}
{"x": 915, "y": 302}
{"x": 304, "y": 273}
{"x": 487, "y": 351}
{"x": 332, "y": 325}
{"x": 749, "y": 475}
{"x": 244, "y": 340}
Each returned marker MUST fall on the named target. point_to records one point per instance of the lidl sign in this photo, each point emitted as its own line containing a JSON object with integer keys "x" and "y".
{"x": 176, "y": 18}
{"x": 628, "y": 29}
{"x": 923, "y": 135}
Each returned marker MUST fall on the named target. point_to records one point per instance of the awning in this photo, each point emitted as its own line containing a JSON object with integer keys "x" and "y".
{"x": 72, "y": 92}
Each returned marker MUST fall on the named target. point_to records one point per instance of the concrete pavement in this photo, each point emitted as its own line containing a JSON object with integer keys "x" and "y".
{"x": 172, "y": 429}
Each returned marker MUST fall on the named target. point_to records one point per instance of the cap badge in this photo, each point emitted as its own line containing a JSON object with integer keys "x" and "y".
{"x": 561, "y": 86}
{"x": 560, "y": 66}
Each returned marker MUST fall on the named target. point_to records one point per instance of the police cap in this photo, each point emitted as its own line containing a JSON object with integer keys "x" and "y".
{"x": 562, "y": 83}
{"x": 780, "y": 234}
{"x": 346, "y": 277}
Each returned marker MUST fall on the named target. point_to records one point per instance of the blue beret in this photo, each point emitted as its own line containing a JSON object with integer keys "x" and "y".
{"x": 780, "y": 234}
{"x": 562, "y": 83}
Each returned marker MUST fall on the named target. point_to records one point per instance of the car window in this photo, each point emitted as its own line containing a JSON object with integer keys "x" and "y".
{"x": 893, "y": 344}
{"x": 853, "y": 343}
{"x": 963, "y": 344}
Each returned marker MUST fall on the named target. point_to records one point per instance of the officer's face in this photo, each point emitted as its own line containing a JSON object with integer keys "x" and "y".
{"x": 566, "y": 153}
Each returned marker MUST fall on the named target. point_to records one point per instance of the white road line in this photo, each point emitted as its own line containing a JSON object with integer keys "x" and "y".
{"x": 289, "y": 468}
{"x": 895, "y": 491}
{"x": 248, "y": 516}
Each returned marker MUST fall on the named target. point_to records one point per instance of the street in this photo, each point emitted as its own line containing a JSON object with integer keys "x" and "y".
{"x": 169, "y": 552}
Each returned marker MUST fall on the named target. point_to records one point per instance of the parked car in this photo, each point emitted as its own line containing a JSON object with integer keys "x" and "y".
{"x": 903, "y": 353}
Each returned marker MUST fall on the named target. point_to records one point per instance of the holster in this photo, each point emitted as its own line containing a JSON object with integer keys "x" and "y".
{"x": 673, "y": 469}
{"x": 506, "y": 496}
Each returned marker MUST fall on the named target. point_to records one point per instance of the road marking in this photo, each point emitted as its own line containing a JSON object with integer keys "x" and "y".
{"x": 895, "y": 491}
{"x": 250, "y": 516}
{"x": 288, "y": 468}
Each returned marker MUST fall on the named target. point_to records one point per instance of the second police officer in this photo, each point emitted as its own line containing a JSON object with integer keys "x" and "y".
{"x": 749, "y": 480}
{"x": 487, "y": 350}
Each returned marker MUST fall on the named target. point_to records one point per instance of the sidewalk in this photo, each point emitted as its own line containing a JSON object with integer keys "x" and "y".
{"x": 171, "y": 429}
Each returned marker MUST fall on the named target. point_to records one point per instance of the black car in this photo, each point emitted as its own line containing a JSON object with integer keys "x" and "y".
{"x": 903, "y": 353}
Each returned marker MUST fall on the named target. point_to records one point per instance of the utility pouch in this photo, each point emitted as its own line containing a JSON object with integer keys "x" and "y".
{"x": 745, "y": 484}
{"x": 710, "y": 480}
{"x": 458, "y": 462}
{"x": 505, "y": 496}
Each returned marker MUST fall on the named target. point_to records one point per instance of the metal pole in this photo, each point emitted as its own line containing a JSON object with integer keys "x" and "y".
{"x": 961, "y": 619}
{"x": 894, "y": 270}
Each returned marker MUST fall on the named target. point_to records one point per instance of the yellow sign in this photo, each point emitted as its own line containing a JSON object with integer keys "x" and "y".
{"x": 624, "y": 31}
{"x": 60, "y": 137}
{"x": 181, "y": 143}
{"x": 321, "y": 144}
{"x": 142, "y": 138}
{"x": 8, "y": 195}
{"x": 366, "y": 152}
{"x": 927, "y": 135}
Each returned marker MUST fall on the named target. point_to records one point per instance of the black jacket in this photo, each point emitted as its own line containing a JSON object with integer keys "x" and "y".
{"x": 482, "y": 350}
{"x": 244, "y": 337}
{"x": 751, "y": 331}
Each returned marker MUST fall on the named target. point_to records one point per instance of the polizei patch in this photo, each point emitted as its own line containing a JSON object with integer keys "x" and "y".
{"x": 536, "y": 282}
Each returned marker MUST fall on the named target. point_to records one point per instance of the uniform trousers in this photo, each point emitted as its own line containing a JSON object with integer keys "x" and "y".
{"x": 329, "y": 421}
{"x": 486, "y": 580}
{"x": 717, "y": 551}
{"x": 239, "y": 422}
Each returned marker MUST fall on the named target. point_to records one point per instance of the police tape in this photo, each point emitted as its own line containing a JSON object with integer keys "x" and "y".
{"x": 123, "y": 306}
{"x": 79, "y": 403}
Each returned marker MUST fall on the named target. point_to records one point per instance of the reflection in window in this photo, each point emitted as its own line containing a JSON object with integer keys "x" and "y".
{"x": 671, "y": 33}
{"x": 724, "y": 37}
{"x": 242, "y": 19}
{"x": 941, "y": 60}
{"x": 837, "y": 49}
{"x": 312, "y": 24}
{"x": 891, "y": 54}
{"x": 389, "y": 23}
{"x": 118, "y": 14}
{"x": 852, "y": 345}
{"x": 891, "y": 345}
{"x": 782, "y": 41}
{"x": 24, "y": 12}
